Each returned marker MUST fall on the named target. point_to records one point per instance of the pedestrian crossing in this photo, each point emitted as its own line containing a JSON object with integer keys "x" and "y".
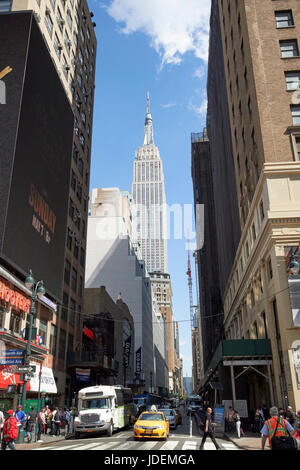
{"x": 178, "y": 445}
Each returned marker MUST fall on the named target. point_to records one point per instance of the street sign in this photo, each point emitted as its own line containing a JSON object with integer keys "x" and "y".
{"x": 25, "y": 369}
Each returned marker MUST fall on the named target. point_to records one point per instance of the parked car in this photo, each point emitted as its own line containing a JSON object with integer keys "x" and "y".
{"x": 170, "y": 415}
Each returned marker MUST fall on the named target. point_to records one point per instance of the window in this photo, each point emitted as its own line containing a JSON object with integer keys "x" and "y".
{"x": 60, "y": 21}
{"x": 15, "y": 323}
{"x": 62, "y": 344}
{"x": 74, "y": 280}
{"x": 289, "y": 48}
{"x": 270, "y": 270}
{"x": 67, "y": 272}
{"x": 82, "y": 256}
{"x": 57, "y": 45}
{"x": 292, "y": 80}
{"x": 298, "y": 147}
{"x": 284, "y": 19}
{"x": 69, "y": 19}
{"x": 72, "y": 312}
{"x": 262, "y": 211}
{"x": 43, "y": 331}
{"x": 49, "y": 24}
{"x": 295, "y": 109}
{"x": 53, "y": 339}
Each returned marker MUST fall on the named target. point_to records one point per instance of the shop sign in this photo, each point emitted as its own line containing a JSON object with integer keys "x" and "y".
{"x": 14, "y": 298}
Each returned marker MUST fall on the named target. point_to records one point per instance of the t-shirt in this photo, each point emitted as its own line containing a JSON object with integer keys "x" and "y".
{"x": 1, "y": 419}
{"x": 209, "y": 427}
{"x": 32, "y": 417}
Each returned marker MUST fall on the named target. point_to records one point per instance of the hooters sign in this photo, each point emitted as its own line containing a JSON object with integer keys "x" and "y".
{"x": 14, "y": 298}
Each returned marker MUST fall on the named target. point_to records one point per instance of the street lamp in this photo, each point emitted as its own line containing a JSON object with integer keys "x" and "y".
{"x": 37, "y": 291}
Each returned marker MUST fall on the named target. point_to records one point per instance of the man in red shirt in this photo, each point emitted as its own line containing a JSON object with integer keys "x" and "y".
{"x": 10, "y": 432}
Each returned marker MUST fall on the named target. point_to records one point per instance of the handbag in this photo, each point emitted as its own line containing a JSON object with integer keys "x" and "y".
{"x": 283, "y": 442}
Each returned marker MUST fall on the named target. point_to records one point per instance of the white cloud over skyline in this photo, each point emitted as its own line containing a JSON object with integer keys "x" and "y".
{"x": 175, "y": 27}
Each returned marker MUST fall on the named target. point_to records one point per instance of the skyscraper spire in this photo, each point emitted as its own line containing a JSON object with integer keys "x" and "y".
{"x": 148, "y": 138}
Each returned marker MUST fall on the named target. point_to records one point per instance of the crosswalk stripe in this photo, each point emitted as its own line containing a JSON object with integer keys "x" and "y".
{"x": 189, "y": 445}
{"x": 67, "y": 447}
{"x": 87, "y": 446}
{"x": 106, "y": 446}
{"x": 147, "y": 446}
{"x": 209, "y": 446}
{"x": 45, "y": 448}
{"x": 169, "y": 445}
{"x": 125, "y": 446}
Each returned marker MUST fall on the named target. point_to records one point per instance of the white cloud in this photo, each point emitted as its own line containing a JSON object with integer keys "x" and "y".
{"x": 175, "y": 27}
{"x": 168, "y": 105}
{"x": 200, "y": 73}
{"x": 200, "y": 109}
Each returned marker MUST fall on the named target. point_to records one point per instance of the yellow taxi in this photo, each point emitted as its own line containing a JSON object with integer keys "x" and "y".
{"x": 151, "y": 425}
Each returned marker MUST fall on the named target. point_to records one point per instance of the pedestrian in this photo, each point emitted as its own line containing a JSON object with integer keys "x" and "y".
{"x": 20, "y": 417}
{"x": 265, "y": 413}
{"x": 70, "y": 420}
{"x": 48, "y": 418}
{"x": 56, "y": 422}
{"x": 282, "y": 413}
{"x": 1, "y": 423}
{"x": 258, "y": 421}
{"x": 41, "y": 422}
{"x": 276, "y": 426}
{"x": 230, "y": 420}
{"x": 237, "y": 420}
{"x": 31, "y": 424}
{"x": 291, "y": 416}
{"x": 209, "y": 430}
{"x": 10, "y": 432}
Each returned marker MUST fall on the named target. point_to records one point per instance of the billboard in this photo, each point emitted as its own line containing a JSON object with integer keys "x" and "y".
{"x": 41, "y": 128}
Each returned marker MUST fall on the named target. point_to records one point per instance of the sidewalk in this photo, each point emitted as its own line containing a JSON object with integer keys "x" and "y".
{"x": 33, "y": 445}
{"x": 250, "y": 442}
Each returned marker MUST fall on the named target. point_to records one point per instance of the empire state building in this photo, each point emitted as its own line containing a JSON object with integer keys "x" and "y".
{"x": 148, "y": 190}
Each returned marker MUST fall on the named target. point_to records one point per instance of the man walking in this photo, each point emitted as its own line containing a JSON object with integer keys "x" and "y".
{"x": 41, "y": 424}
{"x": 209, "y": 430}
{"x": 31, "y": 424}
{"x": 10, "y": 432}
{"x": 1, "y": 423}
{"x": 276, "y": 426}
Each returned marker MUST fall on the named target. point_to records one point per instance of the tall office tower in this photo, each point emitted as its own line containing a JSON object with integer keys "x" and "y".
{"x": 255, "y": 45}
{"x": 68, "y": 30}
{"x": 148, "y": 190}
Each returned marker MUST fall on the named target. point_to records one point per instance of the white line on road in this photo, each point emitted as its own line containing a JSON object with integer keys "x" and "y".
{"x": 106, "y": 446}
{"x": 147, "y": 446}
{"x": 169, "y": 445}
{"x": 192, "y": 445}
{"x": 125, "y": 446}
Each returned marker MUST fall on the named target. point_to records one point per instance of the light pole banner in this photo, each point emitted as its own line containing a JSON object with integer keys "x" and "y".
{"x": 294, "y": 285}
{"x": 127, "y": 347}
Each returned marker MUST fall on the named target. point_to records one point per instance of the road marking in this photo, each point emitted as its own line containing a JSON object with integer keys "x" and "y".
{"x": 209, "y": 446}
{"x": 189, "y": 445}
{"x": 67, "y": 447}
{"x": 87, "y": 446}
{"x": 44, "y": 448}
{"x": 106, "y": 446}
{"x": 169, "y": 445}
{"x": 147, "y": 446}
{"x": 125, "y": 446}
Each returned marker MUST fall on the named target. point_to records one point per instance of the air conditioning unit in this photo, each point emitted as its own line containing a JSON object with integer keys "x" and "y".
{"x": 47, "y": 11}
{"x": 37, "y": 17}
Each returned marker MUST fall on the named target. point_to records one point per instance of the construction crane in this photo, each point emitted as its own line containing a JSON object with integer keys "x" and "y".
{"x": 192, "y": 307}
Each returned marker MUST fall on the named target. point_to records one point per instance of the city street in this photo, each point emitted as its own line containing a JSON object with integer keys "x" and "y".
{"x": 179, "y": 440}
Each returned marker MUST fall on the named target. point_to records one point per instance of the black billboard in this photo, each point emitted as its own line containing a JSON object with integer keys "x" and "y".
{"x": 36, "y": 141}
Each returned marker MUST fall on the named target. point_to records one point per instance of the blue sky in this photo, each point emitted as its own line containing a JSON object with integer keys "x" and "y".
{"x": 160, "y": 47}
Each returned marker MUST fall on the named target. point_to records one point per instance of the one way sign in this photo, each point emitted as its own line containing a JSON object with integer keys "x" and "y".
{"x": 25, "y": 369}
